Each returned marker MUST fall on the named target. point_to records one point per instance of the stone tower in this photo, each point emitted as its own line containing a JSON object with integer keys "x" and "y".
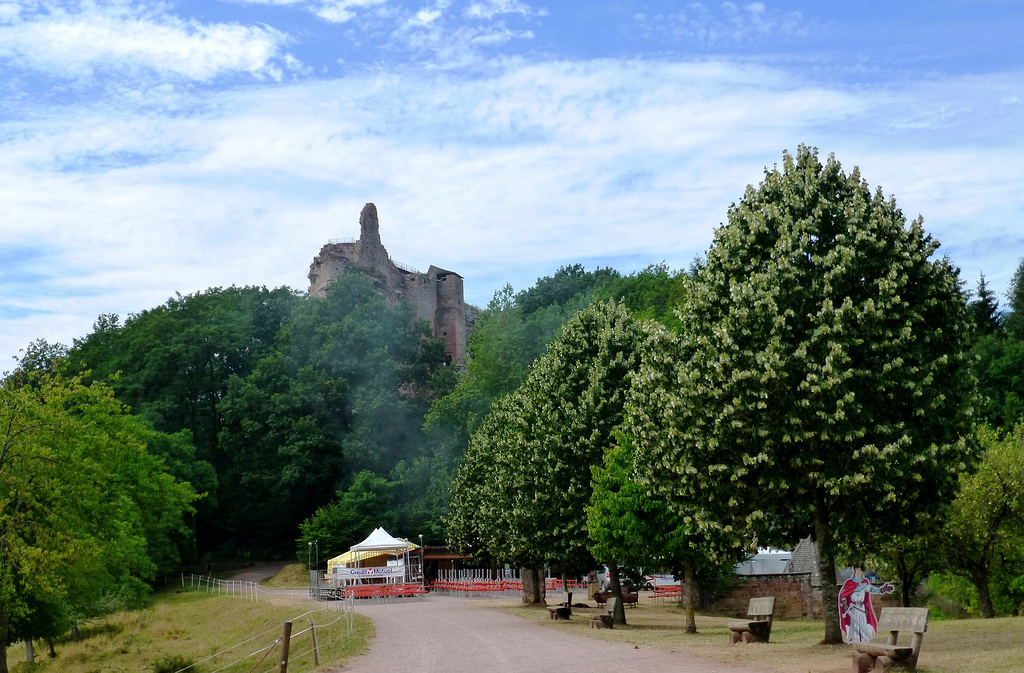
{"x": 437, "y": 296}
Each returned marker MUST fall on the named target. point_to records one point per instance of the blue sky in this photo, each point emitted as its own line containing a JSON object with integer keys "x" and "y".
{"x": 148, "y": 148}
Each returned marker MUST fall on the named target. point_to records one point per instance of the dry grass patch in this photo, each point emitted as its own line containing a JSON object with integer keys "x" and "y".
{"x": 192, "y": 626}
{"x": 290, "y": 577}
{"x": 960, "y": 646}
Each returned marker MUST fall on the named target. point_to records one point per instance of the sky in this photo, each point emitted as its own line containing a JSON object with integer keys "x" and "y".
{"x": 152, "y": 148}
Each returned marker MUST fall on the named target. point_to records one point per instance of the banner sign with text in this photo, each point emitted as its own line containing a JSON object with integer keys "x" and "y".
{"x": 359, "y": 573}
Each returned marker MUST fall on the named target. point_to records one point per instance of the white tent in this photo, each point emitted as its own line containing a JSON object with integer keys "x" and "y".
{"x": 382, "y": 541}
{"x": 373, "y": 552}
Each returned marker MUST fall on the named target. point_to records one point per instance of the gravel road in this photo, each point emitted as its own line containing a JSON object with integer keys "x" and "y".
{"x": 452, "y": 634}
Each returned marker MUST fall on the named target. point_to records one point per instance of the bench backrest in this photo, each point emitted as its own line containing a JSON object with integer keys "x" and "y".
{"x": 610, "y": 605}
{"x": 761, "y": 607}
{"x": 903, "y": 619}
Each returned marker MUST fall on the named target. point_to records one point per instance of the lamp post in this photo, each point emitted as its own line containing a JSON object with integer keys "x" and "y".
{"x": 423, "y": 567}
{"x": 309, "y": 564}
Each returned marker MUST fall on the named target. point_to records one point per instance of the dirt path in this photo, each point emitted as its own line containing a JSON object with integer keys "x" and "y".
{"x": 452, "y": 634}
{"x": 260, "y": 571}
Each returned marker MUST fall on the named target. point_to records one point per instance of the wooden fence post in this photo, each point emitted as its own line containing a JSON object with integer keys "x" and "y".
{"x": 316, "y": 645}
{"x": 286, "y": 639}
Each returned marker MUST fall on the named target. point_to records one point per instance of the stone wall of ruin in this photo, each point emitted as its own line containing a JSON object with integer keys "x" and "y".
{"x": 436, "y": 296}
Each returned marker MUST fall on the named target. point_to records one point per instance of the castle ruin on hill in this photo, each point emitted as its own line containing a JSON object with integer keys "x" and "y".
{"x": 436, "y": 296}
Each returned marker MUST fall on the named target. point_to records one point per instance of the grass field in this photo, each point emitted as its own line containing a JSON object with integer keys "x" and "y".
{"x": 294, "y": 575}
{"x": 193, "y": 626}
{"x": 955, "y": 646}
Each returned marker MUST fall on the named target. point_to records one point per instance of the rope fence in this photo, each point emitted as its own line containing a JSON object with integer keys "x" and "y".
{"x": 248, "y": 590}
{"x": 318, "y": 631}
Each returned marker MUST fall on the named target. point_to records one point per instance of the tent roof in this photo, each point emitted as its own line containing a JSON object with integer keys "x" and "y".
{"x": 367, "y": 549}
{"x": 381, "y": 540}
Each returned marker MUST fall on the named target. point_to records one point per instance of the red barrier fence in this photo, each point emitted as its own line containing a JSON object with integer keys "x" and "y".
{"x": 661, "y": 592}
{"x": 497, "y": 587}
{"x": 476, "y": 587}
{"x": 384, "y": 591}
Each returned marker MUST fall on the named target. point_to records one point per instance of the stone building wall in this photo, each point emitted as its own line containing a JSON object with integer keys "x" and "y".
{"x": 420, "y": 290}
{"x": 451, "y": 313}
{"x": 797, "y": 591}
{"x": 436, "y": 296}
{"x": 795, "y": 598}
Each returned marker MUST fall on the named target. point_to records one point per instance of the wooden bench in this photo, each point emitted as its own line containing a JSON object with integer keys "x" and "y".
{"x": 759, "y": 629}
{"x": 878, "y": 657}
{"x": 561, "y": 611}
{"x": 606, "y": 620}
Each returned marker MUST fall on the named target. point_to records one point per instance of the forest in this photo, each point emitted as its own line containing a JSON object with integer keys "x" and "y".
{"x": 245, "y": 422}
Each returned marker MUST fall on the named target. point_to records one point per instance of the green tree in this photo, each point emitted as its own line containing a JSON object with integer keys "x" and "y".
{"x": 522, "y": 491}
{"x": 41, "y": 356}
{"x": 172, "y": 365}
{"x": 692, "y": 533}
{"x": 568, "y": 285}
{"x": 651, "y": 294}
{"x": 629, "y": 524}
{"x": 174, "y": 361}
{"x": 345, "y": 391}
{"x": 984, "y": 533}
{"x": 999, "y": 364}
{"x": 499, "y": 359}
{"x": 511, "y": 333}
{"x": 46, "y": 618}
{"x": 505, "y": 342}
{"x": 81, "y": 504}
{"x": 984, "y": 308}
{"x": 823, "y": 381}
{"x": 910, "y": 559}
{"x": 1015, "y": 299}
{"x": 623, "y": 523}
{"x": 350, "y": 517}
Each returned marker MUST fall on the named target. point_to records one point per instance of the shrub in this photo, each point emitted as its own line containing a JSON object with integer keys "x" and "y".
{"x": 172, "y": 663}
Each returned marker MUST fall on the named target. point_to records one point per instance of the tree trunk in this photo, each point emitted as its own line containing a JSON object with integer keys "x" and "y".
{"x": 689, "y": 594}
{"x": 620, "y": 610}
{"x": 5, "y": 622}
{"x": 979, "y": 578}
{"x": 53, "y": 652}
{"x": 826, "y": 570}
{"x": 905, "y": 578}
{"x": 533, "y": 586}
{"x": 30, "y": 652}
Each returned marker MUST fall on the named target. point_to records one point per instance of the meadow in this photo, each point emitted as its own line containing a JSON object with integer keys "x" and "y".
{"x": 950, "y": 646}
{"x": 178, "y": 628}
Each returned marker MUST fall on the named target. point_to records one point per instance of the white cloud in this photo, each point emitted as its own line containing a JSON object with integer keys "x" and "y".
{"x": 500, "y": 36}
{"x": 451, "y": 43}
{"x": 501, "y": 178}
{"x": 283, "y": 3}
{"x": 340, "y": 11}
{"x": 731, "y": 23}
{"x": 491, "y": 8}
{"x": 424, "y": 17}
{"x": 123, "y": 37}
{"x": 9, "y": 11}
{"x": 334, "y": 11}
